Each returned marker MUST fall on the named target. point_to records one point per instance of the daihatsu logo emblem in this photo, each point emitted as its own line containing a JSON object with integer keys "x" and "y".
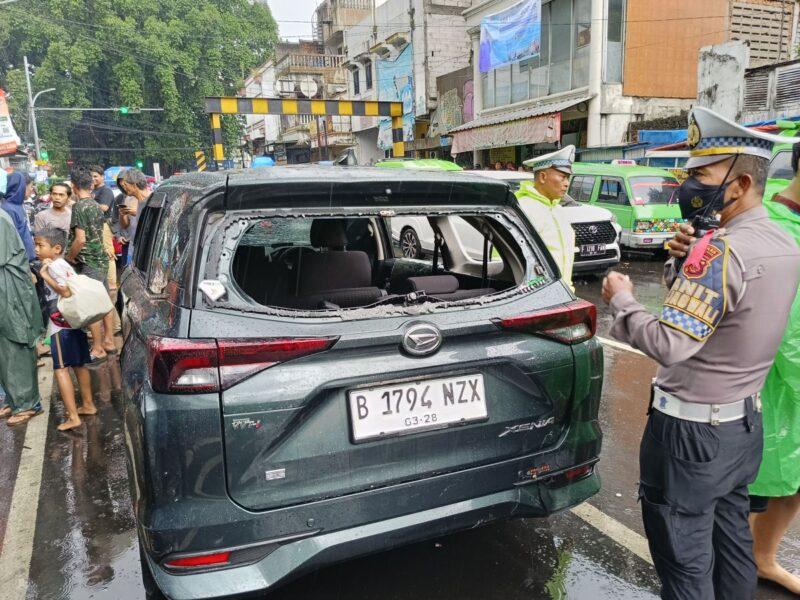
{"x": 422, "y": 339}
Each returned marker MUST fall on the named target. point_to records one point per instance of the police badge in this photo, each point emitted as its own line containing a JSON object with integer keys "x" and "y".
{"x": 697, "y": 300}
{"x": 692, "y": 133}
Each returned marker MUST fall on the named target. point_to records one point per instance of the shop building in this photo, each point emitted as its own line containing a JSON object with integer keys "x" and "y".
{"x": 603, "y": 65}
{"x": 396, "y": 53}
{"x": 300, "y": 70}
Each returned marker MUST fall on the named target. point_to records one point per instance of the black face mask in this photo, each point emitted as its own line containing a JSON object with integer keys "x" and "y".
{"x": 697, "y": 198}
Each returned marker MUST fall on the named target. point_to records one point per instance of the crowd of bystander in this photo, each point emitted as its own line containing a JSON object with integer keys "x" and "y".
{"x": 80, "y": 227}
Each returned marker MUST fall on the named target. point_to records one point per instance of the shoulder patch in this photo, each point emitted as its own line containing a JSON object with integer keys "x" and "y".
{"x": 697, "y": 300}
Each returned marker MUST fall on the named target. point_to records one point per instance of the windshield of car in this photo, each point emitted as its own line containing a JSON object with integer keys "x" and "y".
{"x": 653, "y": 190}
{"x": 329, "y": 262}
{"x": 780, "y": 167}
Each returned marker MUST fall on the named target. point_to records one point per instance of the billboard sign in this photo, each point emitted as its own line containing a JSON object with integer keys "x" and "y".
{"x": 511, "y": 35}
{"x": 396, "y": 84}
{"x": 9, "y": 140}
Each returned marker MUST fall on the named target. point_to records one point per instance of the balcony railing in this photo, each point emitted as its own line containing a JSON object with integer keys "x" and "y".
{"x": 313, "y": 64}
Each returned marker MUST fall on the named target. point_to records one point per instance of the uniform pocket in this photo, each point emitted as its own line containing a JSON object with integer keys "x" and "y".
{"x": 681, "y": 539}
{"x": 685, "y": 441}
{"x": 659, "y": 527}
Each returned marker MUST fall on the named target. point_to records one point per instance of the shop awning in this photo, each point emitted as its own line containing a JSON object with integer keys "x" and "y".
{"x": 534, "y": 125}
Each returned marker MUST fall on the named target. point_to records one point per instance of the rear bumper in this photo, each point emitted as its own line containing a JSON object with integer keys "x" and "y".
{"x": 292, "y": 559}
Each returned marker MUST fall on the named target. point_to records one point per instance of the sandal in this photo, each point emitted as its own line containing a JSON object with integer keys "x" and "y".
{"x": 5, "y": 412}
{"x": 22, "y": 417}
{"x": 96, "y": 360}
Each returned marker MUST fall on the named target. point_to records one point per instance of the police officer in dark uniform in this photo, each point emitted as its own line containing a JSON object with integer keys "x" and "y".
{"x": 716, "y": 337}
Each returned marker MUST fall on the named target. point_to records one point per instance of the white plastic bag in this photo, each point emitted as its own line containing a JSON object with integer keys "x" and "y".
{"x": 88, "y": 303}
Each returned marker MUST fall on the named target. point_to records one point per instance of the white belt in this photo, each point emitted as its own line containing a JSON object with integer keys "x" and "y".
{"x": 714, "y": 414}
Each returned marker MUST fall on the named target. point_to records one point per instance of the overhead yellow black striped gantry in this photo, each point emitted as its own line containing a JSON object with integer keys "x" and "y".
{"x": 233, "y": 105}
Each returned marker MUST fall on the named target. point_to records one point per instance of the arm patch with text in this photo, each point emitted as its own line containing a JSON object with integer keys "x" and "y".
{"x": 696, "y": 302}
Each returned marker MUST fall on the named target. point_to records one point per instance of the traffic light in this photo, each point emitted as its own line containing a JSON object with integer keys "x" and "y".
{"x": 139, "y": 164}
{"x": 124, "y": 110}
{"x": 44, "y": 155}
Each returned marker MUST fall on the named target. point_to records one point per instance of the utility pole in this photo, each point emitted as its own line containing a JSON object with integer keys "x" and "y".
{"x": 31, "y": 113}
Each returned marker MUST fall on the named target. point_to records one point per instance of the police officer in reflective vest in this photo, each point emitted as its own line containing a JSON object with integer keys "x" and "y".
{"x": 541, "y": 201}
{"x": 715, "y": 339}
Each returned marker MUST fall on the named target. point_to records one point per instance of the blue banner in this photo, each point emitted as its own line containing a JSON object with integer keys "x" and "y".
{"x": 511, "y": 35}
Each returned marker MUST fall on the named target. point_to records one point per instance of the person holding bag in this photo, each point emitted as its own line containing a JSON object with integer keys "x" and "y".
{"x": 69, "y": 345}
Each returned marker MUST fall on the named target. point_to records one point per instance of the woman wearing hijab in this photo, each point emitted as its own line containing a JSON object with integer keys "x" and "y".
{"x": 20, "y": 327}
{"x": 14, "y": 205}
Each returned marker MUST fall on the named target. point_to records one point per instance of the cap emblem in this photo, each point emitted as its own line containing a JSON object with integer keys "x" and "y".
{"x": 693, "y": 133}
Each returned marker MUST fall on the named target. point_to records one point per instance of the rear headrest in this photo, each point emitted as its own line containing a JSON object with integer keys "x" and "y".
{"x": 434, "y": 284}
{"x": 328, "y": 233}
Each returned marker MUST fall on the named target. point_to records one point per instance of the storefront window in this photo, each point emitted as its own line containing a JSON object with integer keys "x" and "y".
{"x": 616, "y": 22}
{"x": 581, "y": 41}
{"x": 560, "y": 45}
{"x": 487, "y": 81}
{"x": 563, "y": 61}
{"x": 519, "y": 83}
{"x": 502, "y": 86}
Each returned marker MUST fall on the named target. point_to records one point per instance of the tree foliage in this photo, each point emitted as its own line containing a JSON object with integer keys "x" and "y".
{"x": 169, "y": 54}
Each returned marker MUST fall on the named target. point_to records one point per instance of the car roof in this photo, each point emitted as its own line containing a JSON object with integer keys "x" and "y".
{"x": 503, "y": 175}
{"x": 418, "y": 163}
{"x": 316, "y": 173}
{"x": 242, "y": 185}
{"x": 618, "y": 170}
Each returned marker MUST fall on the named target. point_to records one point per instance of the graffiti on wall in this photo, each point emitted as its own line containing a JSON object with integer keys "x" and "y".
{"x": 456, "y": 102}
{"x": 396, "y": 84}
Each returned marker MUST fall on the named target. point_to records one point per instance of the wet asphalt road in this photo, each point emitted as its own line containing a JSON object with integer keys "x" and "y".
{"x": 85, "y": 546}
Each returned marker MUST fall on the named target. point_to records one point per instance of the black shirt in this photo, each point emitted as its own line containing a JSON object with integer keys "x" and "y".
{"x": 105, "y": 197}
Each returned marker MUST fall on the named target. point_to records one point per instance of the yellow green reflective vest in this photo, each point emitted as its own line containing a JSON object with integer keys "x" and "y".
{"x": 550, "y": 221}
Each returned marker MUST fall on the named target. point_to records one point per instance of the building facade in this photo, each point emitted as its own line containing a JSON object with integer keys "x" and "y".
{"x": 397, "y": 52}
{"x": 300, "y": 70}
{"x": 602, "y": 66}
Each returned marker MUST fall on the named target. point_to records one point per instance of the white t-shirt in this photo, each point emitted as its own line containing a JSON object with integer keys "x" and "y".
{"x": 60, "y": 271}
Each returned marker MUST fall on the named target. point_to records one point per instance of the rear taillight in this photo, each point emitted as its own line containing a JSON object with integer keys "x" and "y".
{"x": 187, "y": 366}
{"x": 180, "y": 366}
{"x": 202, "y": 561}
{"x": 568, "y": 323}
{"x": 242, "y": 358}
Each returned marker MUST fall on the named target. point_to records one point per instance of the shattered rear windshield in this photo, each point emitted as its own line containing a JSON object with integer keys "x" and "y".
{"x": 323, "y": 263}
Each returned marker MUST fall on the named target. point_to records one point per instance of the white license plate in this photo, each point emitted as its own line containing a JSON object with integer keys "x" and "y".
{"x": 593, "y": 249}
{"x": 417, "y": 405}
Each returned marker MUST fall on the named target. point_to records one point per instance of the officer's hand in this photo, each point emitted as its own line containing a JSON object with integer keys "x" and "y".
{"x": 679, "y": 245}
{"x": 615, "y": 283}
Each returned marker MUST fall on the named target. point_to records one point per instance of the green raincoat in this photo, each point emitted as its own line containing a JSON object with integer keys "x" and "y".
{"x": 780, "y": 470}
{"x": 20, "y": 321}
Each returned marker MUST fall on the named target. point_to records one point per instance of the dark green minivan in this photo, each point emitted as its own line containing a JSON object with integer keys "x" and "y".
{"x": 643, "y": 200}
{"x": 297, "y": 392}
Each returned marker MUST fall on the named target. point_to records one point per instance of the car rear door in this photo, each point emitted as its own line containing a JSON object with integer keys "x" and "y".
{"x": 317, "y": 407}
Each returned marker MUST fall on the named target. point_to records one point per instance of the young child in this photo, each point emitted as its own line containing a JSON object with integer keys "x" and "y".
{"x": 69, "y": 347}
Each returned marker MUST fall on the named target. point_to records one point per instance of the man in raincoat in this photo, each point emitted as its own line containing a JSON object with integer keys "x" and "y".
{"x": 14, "y": 205}
{"x": 20, "y": 327}
{"x": 775, "y": 495}
{"x": 540, "y": 200}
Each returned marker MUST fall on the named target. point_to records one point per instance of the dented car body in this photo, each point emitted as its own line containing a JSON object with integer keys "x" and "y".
{"x": 297, "y": 392}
